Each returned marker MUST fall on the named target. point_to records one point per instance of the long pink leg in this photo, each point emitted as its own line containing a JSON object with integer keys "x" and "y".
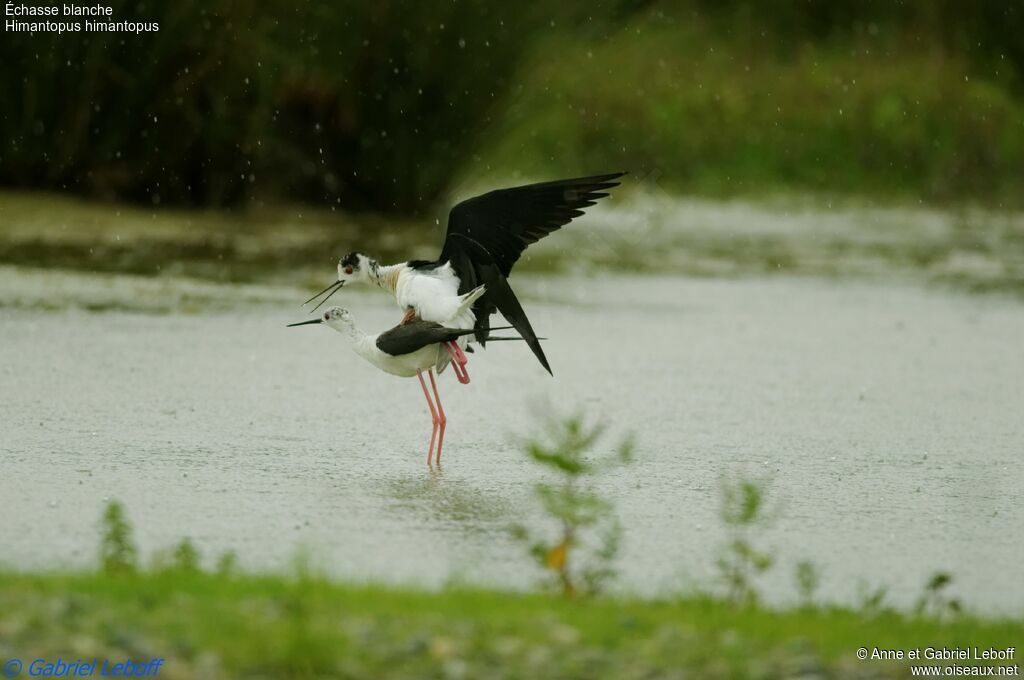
{"x": 459, "y": 361}
{"x": 433, "y": 416}
{"x": 441, "y": 416}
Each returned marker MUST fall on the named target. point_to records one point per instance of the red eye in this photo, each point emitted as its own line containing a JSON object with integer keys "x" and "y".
{"x": 348, "y": 270}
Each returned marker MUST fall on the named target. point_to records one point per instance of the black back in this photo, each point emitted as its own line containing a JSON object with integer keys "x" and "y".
{"x": 414, "y": 335}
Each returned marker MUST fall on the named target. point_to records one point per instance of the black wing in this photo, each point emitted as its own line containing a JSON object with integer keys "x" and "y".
{"x": 416, "y": 334}
{"x": 500, "y": 224}
{"x": 487, "y": 234}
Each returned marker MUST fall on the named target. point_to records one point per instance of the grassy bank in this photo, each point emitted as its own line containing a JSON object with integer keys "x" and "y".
{"x": 298, "y": 247}
{"x": 209, "y": 625}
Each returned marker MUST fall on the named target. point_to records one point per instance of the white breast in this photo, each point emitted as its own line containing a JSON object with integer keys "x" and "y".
{"x": 434, "y": 295}
{"x": 405, "y": 365}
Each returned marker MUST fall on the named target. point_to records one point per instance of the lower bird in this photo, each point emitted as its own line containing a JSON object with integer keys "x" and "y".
{"x": 407, "y": 350}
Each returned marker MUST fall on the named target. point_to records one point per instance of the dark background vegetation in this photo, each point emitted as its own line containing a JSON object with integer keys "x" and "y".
{"x": 384, "y": 106}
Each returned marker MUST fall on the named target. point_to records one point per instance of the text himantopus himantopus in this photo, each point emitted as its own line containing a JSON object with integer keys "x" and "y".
{"x": 485, "y": 237}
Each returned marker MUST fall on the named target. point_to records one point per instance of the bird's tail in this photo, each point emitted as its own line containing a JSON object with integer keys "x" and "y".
{"x": 466, "y": 301}
{"x": 505, "y": 300}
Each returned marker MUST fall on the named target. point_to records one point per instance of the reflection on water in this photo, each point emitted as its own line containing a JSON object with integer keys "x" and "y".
{"x": 887, "y": 418}
{"x": 433, "y": 498}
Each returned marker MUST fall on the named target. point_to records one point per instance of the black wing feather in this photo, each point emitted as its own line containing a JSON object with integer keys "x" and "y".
{"x": 502, "y": 223}
{"x": 505, "y": 299}
{"x": 415, "y": 335}
{"x": 487, "y": 235}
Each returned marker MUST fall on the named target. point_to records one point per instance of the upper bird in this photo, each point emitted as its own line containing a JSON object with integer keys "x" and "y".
{"x": 486, "y": 236}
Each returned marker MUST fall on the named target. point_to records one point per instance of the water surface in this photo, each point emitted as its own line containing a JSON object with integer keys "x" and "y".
{"x": 887, "y": 419}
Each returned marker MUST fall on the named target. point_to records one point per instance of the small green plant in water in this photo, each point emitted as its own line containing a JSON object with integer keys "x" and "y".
{"x": 186, "y": 556}
{"x": 871, "y": 600}
{"x": 578, "y": 555}
{"x": 808, "y": 578}
{"x": 740, "y": 562}
{"x": 118, "y": 554}
{"x": 227, "y": 563}
{"x": 183, "y": 557}
{"x": 935, "y": 600}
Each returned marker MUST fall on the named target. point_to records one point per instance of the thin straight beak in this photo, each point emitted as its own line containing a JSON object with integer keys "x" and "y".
{"x": 304, "y": 323}
{"x": 337, "y": 285}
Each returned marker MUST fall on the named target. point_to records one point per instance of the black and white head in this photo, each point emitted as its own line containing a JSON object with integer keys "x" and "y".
{"x": 337, "y": 318}
{"x": 353, "y": 268}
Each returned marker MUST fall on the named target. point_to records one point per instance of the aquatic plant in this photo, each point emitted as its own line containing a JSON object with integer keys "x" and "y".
{"x": 808, "y": 578}
{"x": 935, "y": 600}
{"x": 742, "y": 509}
{"x": 227, "y": 563}
{"x": 579, "y": 553}
{"x": 871, "y": 601}
{"x": 186, "y": 556}
{"x": 118, "y": 553}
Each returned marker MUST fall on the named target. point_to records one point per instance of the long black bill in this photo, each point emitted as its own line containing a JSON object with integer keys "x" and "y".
{"x": 304, "y": 323}
{"x": 334, "y": 288}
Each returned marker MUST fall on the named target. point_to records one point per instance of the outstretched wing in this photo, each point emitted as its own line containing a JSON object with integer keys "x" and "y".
{"x": 487, "y": 234}
{"x": 500, "y": 224}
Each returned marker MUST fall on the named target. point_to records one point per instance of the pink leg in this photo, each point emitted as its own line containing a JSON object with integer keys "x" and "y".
{"x": 441, "y": 417}
{"x": 459, "y": 361}
{"x": 433, "y": 416}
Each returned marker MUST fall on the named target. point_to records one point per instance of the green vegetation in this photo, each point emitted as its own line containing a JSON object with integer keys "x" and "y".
{"x": 936, "y": 601}
{"x": 304, "y": 626}
{"x": 118, "y": 553}
{"x": 742, "y": 511}
{"x": 371, "y": 105}
{"x": 724, "y": 107}
{"x": 387, "y": 106}
{"x": 580, "y": 552}
{"x": 808, "y": 578}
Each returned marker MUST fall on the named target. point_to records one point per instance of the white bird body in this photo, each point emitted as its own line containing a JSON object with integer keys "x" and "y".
{"x": 411, "y": 347}
{"x": 405, "y": 365}
{"x": 407, "y": 350}
{"x": 432, "y": 294}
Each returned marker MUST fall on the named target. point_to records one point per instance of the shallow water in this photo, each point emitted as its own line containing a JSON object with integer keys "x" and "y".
{"x": 887, "y": 419}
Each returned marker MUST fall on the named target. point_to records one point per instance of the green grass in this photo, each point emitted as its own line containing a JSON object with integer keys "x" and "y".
{"x": 247, "y": 626}
{"x": 695, "y": 107}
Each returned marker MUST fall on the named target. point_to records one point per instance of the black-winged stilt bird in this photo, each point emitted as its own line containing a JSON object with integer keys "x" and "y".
{"x": 485, "y": 237}
{"x": 407, "y": 350}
